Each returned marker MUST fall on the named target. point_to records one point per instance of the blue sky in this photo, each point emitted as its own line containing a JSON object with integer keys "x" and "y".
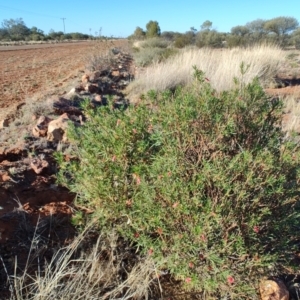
{"x": 120, "y": 17}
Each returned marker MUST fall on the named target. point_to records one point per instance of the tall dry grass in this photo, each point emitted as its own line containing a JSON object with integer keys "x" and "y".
{"x": 291, "y": 118}
{"x": 98, "y": 273}
{"x": 219, "y": 65}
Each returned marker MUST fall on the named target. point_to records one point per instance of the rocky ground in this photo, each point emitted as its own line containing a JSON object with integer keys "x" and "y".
{"x": 31, "y": 204}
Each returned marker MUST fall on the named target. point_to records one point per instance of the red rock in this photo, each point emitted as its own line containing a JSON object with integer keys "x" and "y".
{"x": 57, "y": 129}
{"x": 3, "y": 123}
{"x": 41, "y": 127}
{"x": 4, "y": 177}
{"x": 39, "y": 165}
{"x": 115, "y": 73}
{"x": 85, "y": 78}
{"x": 273, "y": 290}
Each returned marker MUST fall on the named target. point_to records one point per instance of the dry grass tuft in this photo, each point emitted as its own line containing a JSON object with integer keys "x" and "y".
{"x": 220, "y": 66}
{"x": 100, "y": 57}
{"x": 97, "y": 273}
{"x": 291, "y": 118}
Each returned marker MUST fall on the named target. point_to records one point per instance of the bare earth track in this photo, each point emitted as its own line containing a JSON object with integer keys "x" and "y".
{"x": 26, "y": 70}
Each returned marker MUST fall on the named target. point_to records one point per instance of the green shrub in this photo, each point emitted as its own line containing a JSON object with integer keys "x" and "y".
{"x": 209, "y": 38}
{"x": 183, "y": 40}
{"x": 297, "y": 42}
{"x": 155, "y": 43}
{"x": 151, "y": 51}
{"x": 147, "y": 56}
{"x": 204, "y": 183}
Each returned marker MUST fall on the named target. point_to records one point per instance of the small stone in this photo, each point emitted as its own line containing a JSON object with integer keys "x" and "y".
{"x": 115, "y": 51}
{"x": 115, "y": 73}
{"x": 57, "y": 129}
{"x": 41, "y": 127}
{"x": 85, "y": 78}
{"x": 3, "y": 123}
{"x": 92, "y": 88}
{"x": 4, "y": 177}
{"x": 39, "y": 165}
{"x": 273, "y": 290}
{"x": 98, "y": 98}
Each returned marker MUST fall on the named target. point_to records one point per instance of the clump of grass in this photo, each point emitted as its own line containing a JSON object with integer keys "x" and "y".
{"x": 219, "y": 66}
{"x": 99, "y": 61}
{"x": 77, "y": 271}
{"x": 204, "y": 183}
{"x": 101, "y": 57}
{"x": 291, "y": 119}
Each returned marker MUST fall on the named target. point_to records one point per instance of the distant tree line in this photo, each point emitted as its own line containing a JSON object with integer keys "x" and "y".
{"x": 16, "y": 30}
{"x": 284, "y": 31}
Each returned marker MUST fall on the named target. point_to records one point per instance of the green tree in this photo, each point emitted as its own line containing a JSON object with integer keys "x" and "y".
{"x": 281, "y": 26}
{"x": 153, "y": 29}
{"x": 240, "y": 30}
{"x": 4, "y": 34}
{"x": 257, "y": 32}
{"x": 206, "y": 25}
{"x": 16, "y": 28}
{"x": 170, "y": 35}
{"x": 239, "y": 36}
{"x": 35, "y": 30}
{"x": 139, "y": 34}
{"x": 296, "y": 38}
{"x": 56, "y": 35}
{"x": 185, "y": 39}
{"x": 235, "y": 41}
{"x": 209, "y": 38}
{"x": 36, "y": 34}
{"x": 256, "y": 26}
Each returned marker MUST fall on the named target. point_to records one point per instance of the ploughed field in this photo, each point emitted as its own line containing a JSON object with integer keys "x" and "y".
{"x": 37, "y": 70}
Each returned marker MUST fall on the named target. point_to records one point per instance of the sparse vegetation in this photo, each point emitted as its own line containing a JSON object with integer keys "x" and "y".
{"x": 282, "y": 31}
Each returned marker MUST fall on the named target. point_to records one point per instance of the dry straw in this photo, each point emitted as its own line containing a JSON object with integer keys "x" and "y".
{"x": 220, "y": 66}
{"x": 96, "y": 274}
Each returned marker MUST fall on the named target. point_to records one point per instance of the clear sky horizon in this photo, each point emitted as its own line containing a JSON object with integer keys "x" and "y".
{"x": 119, "y": 18}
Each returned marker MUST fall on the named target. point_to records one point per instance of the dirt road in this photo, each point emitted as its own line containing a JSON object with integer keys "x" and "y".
{"x": 35, "y": 70}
